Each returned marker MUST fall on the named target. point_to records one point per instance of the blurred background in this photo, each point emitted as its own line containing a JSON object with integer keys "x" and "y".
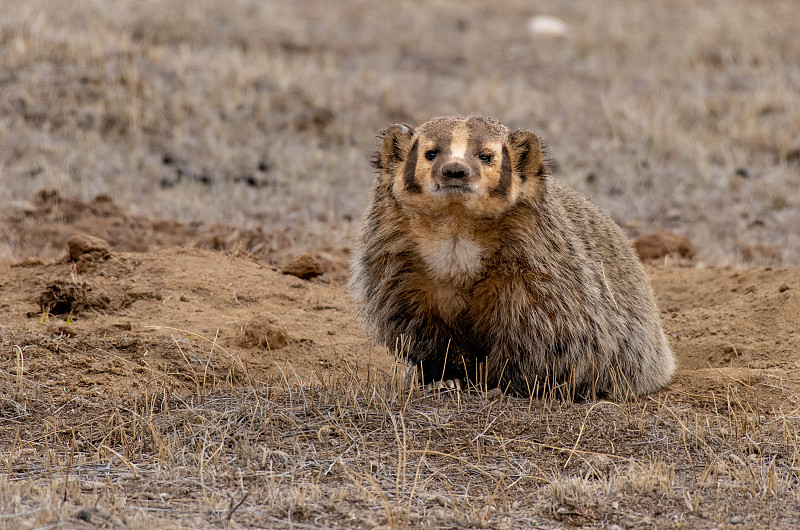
{"x": 671, "y": 114}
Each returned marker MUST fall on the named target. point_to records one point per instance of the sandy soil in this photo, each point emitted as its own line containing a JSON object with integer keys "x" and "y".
{"x": 124, "y": 360}
{"x": 162, "y": 304}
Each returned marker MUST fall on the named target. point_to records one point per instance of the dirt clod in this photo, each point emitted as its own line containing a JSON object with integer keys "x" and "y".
{"x": 63, "y": 297}
{"x": 663, "y": 244}
{"x": 87, "y": 247}
{"x": 304, "y": 266}
{"x": 265, "y": 331}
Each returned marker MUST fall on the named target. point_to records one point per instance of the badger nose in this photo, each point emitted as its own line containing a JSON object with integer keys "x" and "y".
{"x": 455, "y": 170}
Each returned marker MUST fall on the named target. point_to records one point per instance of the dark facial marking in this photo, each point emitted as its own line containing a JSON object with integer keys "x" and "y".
{"x": 441, "y": 144}
{"x": 505, "y": 176}
{"x": 409, "y": 174}
{"x": 474, "y": 144}
{"x": 437, "y": 143}
{"x": 522, "y": 162}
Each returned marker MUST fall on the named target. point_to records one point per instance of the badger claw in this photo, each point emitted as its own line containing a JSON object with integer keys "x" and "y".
{"x": 445, "y": 384}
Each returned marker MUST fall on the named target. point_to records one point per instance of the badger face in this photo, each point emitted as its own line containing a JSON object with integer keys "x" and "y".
{"x": 469, "y": 166}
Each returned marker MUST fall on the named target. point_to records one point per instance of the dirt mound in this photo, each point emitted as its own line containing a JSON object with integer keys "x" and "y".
{"x": 304, "y": 266}
{"x": 177, "y": 313}
{"x": 131, "y": 317}
{"x": 130, "y": 361}
{"x": 727, "y": 320}
{"x": 119, "y": 288}
{"x": 663, "y": 244}
{"x": 41, "y": 228}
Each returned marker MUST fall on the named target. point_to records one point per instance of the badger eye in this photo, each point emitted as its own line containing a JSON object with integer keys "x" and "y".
{"x": 485, "y": 158}
{"x": 430, "y": 155}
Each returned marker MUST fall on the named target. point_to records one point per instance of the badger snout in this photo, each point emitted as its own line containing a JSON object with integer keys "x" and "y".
{"x": 456, "y": 178}
{"x": 455, "y": 170}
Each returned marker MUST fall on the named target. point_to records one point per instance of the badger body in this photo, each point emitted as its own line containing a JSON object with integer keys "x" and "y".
{"x": 485, "y": 269}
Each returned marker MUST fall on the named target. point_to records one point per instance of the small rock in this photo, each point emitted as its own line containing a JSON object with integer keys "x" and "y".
{"x": 493, "y": 394}
{"x": 63, "y": 331}
{"x": 84, "y": 515}
{"x": 547, "y": 26}
{"x": 783, "y": 288}
{"x": 662, "y": 244}
{"x": 793, "y": 152}
{"x": 304, "y": 266}
{"x": 82, "y": 245}
{"x": 599, "y": 461}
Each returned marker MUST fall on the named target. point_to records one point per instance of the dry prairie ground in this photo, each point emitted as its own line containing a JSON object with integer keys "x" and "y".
{"x": 671, "y": 114}
{"x": 182, "y": 381}
{"x": 184, "y": 387}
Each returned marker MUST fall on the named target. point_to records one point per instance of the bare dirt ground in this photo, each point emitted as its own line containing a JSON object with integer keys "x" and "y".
{"x": 180, "y": 380}
{"x": 172, "y": 385}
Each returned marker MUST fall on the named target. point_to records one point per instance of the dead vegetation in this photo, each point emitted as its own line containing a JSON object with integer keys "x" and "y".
{"x": 261, "y": 116}
{"x": 235, "y": 395}
{"x": 347, "y": 450}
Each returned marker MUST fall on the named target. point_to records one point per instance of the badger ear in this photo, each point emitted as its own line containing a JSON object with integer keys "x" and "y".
{"x": 395, "y": 146}
{"x": 527, "y": 155}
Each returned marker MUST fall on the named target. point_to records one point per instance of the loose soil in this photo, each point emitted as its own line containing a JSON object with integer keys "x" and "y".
{"x": 161, "y": 286}
{"x": 163, "y": 314}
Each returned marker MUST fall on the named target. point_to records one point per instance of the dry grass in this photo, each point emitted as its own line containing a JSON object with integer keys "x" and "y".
{"x": 671, "y": 115}
{"x": 348, "y": 450}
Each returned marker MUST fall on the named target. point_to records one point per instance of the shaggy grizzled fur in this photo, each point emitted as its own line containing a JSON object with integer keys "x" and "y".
{"x": 488, "y": 270}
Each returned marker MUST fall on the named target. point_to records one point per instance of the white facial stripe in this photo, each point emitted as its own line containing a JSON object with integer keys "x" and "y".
{"x": 459, "y": 148}
{"x": 458, "y": 142}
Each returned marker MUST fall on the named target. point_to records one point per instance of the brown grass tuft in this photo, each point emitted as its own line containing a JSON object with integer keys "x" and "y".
{"x": 348, "y": 450}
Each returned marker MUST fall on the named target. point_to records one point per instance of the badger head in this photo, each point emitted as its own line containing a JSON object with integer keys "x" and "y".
{"x": 472, "y": 166}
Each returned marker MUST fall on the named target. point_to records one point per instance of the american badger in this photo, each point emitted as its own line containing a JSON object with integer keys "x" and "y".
{"x": 487, "y": 270}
